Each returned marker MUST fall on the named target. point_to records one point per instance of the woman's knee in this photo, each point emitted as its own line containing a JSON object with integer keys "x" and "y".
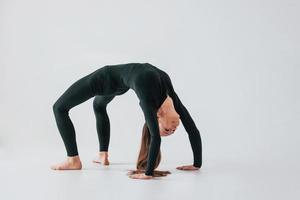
{"x": 100, "y": 102}
{"x": 58, "y": 106}
{"x": 99, "y": 105}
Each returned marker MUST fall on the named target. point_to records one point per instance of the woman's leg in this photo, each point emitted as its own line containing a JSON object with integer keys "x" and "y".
{"x": 77, "y": 93}
{"x": 102, "y": 120}
{"x": 103, "y": 127}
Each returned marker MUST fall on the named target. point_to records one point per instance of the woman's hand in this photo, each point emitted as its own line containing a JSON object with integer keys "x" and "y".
{"x": 188, "y": 167}
{"x": 140, "y": 176}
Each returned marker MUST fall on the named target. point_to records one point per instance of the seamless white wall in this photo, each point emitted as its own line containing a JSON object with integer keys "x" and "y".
{"x": 234, "y": 64}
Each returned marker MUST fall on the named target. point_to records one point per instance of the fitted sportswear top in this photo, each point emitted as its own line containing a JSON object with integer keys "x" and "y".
{"x": 151, "y": 85}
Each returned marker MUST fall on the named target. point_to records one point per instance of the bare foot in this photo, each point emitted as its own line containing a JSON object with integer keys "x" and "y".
{"x": 72, "y": 163}
{"x": 188, "y": 167}
{"x": 102, "y": 158}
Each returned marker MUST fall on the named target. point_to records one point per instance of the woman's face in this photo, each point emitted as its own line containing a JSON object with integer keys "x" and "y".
{"x": 168, "y": 123}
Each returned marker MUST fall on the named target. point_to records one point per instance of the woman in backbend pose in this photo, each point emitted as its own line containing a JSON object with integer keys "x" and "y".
{"x": 158, "y": 100}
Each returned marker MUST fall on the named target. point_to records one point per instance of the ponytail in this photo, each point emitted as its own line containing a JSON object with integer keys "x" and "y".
{"x": 143, "y": 156}
{"x": 144, "y": 150}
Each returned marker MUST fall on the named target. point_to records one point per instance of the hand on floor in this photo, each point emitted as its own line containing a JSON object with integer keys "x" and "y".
{"x": 187, "y": 167}
{"x": 140, "y": 176}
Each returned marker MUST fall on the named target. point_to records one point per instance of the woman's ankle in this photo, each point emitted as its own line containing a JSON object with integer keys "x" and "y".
{"x": 103, "y": 153}
{"x": 74, "y": 159}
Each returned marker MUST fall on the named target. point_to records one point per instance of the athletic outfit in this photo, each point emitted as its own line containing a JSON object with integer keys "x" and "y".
{"x": 151, "y": 85}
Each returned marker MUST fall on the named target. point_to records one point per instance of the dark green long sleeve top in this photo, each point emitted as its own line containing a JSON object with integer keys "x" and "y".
{"x": 151, "y": 85}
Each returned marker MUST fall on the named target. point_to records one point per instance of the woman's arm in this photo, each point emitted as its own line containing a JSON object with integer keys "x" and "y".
{"x": 155, "y": 140}
{"x": 189, "y": 125}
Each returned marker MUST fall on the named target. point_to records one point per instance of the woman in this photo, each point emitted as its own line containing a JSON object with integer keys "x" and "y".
{"x": 159, "y": 102}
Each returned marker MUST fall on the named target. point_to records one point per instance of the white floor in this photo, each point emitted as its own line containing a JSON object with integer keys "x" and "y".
{"x": 21, "y": 178}
{"x": 234, "y": 64}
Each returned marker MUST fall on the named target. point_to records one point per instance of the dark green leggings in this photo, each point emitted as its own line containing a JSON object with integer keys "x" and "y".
{"x": 77, "y": 93}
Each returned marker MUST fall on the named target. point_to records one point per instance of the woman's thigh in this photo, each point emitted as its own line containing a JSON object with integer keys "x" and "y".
{"x": 77, "y": 93}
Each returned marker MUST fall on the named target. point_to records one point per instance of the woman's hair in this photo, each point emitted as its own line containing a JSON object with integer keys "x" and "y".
{"x": 143, "y": 155}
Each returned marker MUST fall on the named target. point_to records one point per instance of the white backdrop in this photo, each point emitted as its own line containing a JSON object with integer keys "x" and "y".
{"x": 234, "y": 64}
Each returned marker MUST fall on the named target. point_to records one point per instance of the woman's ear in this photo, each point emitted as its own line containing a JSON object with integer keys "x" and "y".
{"x": 160, "y": 113}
